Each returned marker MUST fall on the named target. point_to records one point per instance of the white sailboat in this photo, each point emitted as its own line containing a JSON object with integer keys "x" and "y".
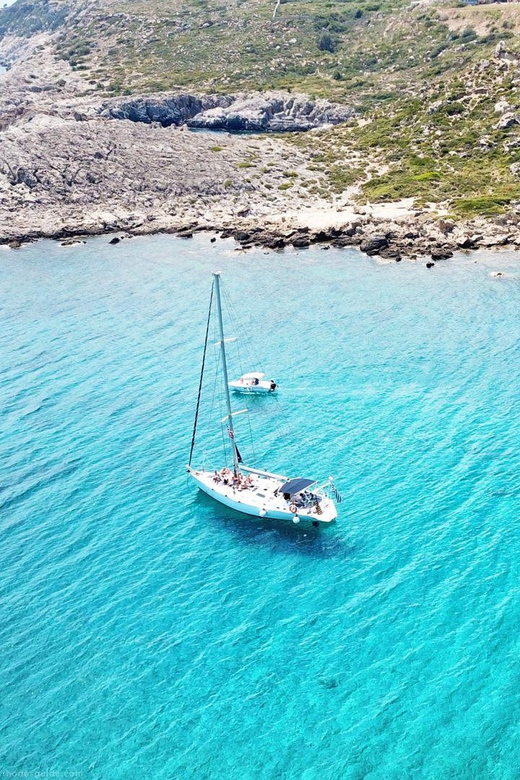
{"x": 254, "y": 382}
{"x": 251, "y": 490}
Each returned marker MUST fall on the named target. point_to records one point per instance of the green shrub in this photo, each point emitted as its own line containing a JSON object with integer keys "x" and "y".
{"x": 486, "y": 205}
{"x": 326, "y": 43}
{"x": 454, "y": 108}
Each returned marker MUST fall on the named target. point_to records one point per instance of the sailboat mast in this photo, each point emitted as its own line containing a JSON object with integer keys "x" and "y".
{"x": 225, "y": 371}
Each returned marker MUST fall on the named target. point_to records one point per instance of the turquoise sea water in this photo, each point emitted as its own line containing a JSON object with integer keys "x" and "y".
{"x": 148, "y": 632}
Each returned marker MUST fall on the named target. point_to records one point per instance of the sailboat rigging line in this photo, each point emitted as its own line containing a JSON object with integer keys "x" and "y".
{"x": 201, "y": 380}
{"x": 237, "y": 320}
{"x": 216, "y": 386}
{"x": 238, "y": 324}
{"x": 216, "y": 277}
{"x": 235, "y": 324}
{"x": 216, "y": 396}
{"x": 216, "y": 399}
{"x": 238, "y": 327}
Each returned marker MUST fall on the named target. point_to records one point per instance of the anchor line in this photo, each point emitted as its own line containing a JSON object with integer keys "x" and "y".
{"x": 201, "y": 380}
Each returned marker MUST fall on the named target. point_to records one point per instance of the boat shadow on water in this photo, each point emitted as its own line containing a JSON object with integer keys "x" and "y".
{"x": 299, "y": 539}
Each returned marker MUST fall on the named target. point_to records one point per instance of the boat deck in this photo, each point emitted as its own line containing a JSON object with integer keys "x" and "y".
{"x": 261, "y": 499}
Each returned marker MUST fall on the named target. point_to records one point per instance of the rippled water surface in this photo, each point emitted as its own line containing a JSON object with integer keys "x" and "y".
{"x": 148, "y": 632}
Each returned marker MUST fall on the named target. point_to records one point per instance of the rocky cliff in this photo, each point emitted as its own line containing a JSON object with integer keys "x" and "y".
{"x": 270, "y": 112}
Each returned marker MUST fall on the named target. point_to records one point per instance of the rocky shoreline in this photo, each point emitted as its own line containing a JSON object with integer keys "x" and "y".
{"x": 429, "y": 241}
{"x": 72, "y": 164}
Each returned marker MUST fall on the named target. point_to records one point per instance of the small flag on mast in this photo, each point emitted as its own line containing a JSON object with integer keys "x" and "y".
{"x": 335, "y": 492}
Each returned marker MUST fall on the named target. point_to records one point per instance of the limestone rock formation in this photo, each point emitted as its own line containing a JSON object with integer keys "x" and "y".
{"x": 269, "y": 112}
{"x": 507, "y": 120}
{"x": 169, "y": 110}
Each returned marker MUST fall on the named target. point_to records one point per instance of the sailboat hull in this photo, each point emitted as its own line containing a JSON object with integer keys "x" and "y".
{"x": 261, "y": 502}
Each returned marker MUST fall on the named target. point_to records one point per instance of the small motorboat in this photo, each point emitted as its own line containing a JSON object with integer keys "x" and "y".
{"x": 253, "y": 382}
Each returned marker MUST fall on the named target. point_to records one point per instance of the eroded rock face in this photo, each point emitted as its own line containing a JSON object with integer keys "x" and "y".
{"x": 171, "y": 110}
{"x": 270, "y": 112}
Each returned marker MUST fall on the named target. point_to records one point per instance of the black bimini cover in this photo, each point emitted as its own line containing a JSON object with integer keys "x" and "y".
{"x": 296, "y": 485}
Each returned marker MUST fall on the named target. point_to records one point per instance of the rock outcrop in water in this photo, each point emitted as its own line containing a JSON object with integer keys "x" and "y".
{"x": 270, "y": 112}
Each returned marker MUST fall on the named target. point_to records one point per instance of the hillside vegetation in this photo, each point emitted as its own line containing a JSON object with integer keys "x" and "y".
{"x": 425, "y": 79}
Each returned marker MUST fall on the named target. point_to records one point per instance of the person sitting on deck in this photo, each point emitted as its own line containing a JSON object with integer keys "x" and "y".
{"x": 216, "y": 477}
{"x": 245, "y": 482}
